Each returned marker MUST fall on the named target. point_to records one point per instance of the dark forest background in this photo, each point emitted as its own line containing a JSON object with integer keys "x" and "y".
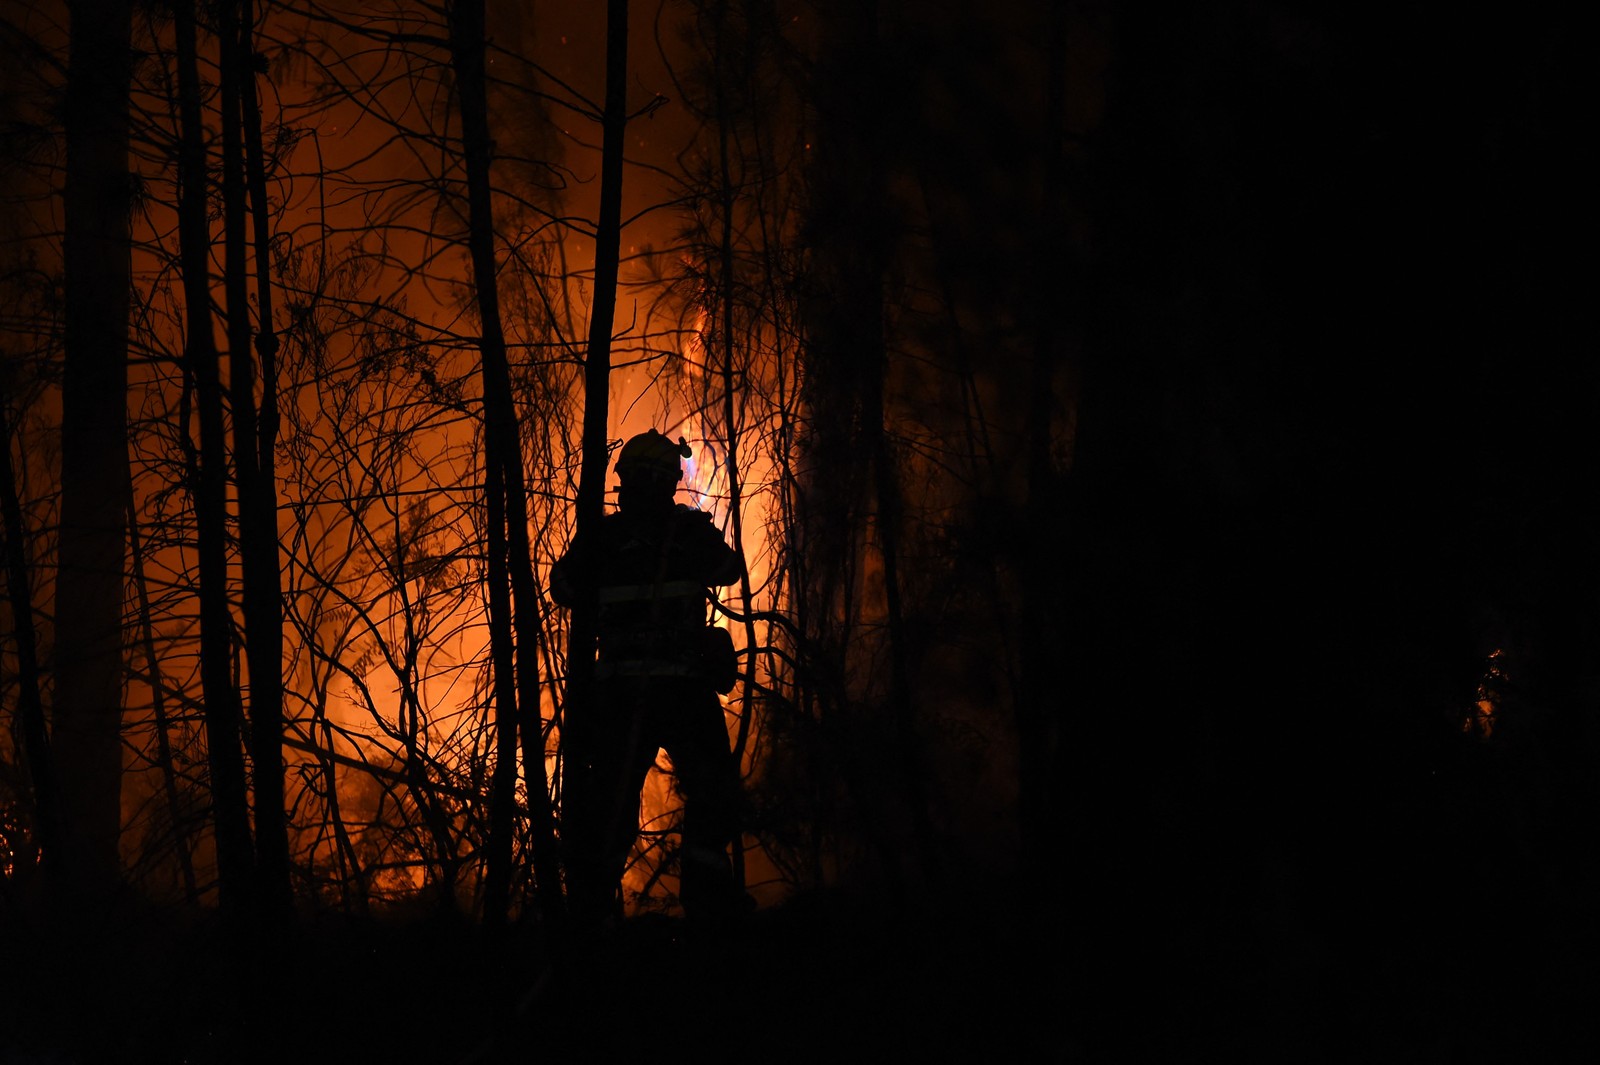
{"x": 1176, "y": 634}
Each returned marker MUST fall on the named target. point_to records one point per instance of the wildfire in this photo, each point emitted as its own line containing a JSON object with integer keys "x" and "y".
{"x": 379, "y": 474}
{"x": 1481, "y": 721}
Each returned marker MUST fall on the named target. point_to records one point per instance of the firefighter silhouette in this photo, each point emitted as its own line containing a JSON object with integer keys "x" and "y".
{"x": 659, "y": 669}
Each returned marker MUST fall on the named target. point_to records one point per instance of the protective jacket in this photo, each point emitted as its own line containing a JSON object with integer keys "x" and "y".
{"x": 652, "y": 577}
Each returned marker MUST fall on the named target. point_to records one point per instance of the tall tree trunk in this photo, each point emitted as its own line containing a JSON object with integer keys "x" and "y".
{"x": 230, "y": 802}
{"x": 86, "y": 718}
{"x": 583, "y": 630}
{"x": 158, "y": 706}
{"x": 886, "y": 524}
{"x": 1039, "y": 708}
{"x": 512, "y": 556}
{"x": 30, "y": 704}
{"x": 502, "y": 785}
{"x": 258, "y": 520}
{"x": 726, "y": 318}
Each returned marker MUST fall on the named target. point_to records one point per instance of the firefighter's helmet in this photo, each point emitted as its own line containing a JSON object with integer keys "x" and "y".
{"x": 653, "y": 454}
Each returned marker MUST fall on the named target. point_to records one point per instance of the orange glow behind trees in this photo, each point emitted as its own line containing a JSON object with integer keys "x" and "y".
{"x": 870, "y": 682}
{"x": 386, "y": 670}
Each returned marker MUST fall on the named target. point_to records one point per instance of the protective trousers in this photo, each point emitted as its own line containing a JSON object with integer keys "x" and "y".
{"x": 632, "y": 718}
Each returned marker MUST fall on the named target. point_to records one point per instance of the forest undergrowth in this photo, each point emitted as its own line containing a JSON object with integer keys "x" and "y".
{"x": 825, "y": 977}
